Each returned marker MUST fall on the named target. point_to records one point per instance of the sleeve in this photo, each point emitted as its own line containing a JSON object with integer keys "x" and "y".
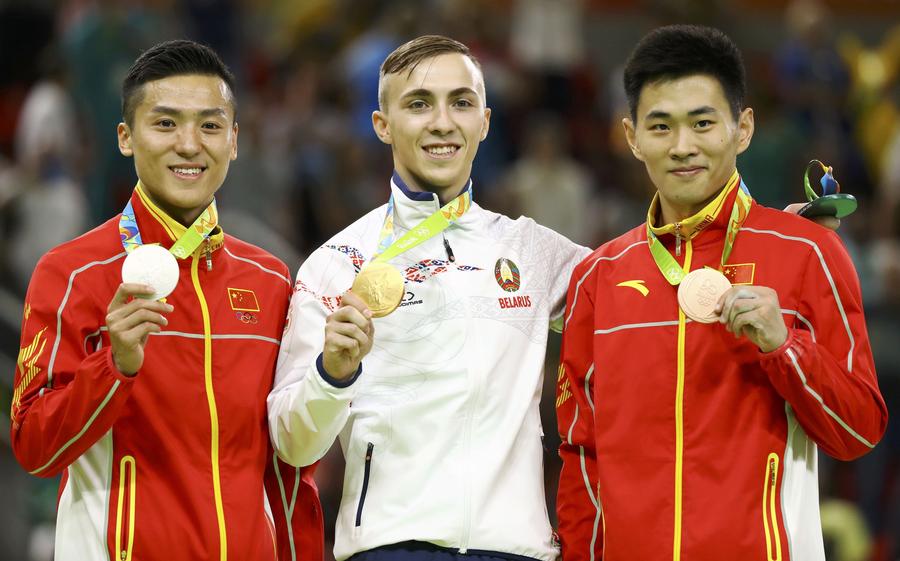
{"x": 66, "y": 395}
{"x": 825, "y": 369}
{"x": 563, "y": 256}
{"x": 296, "y": 511}
{"x": 578, "y": 507}
{"x": 307, "y": 408}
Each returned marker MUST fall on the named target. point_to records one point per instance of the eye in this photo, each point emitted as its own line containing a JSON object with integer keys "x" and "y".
{"x": 165, "y": 123}
{"x": 703, "y": 124}
{"x": 417, "y": 105}
{"x": 211, "y": 126}
{"x": 659, "y": 127}
{"x": 462, "y": 102}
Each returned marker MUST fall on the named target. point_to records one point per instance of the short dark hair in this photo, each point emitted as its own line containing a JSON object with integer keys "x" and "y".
{"x": 676, "y": 51}
{"x": 171, "y": 58}
{"x": 407, "y": 56}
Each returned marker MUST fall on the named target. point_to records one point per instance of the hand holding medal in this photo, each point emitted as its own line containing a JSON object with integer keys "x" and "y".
{"x": 149, "y": 274}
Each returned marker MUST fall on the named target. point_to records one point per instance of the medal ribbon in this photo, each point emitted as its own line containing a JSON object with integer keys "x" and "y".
{"x": 739, "y": 211}
{"x": 186, "y": 244}
{"x": 424, "y": 230}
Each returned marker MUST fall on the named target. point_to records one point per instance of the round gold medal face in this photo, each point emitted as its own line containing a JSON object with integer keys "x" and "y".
{"x": 699, "y": 292}
{"x": 380, "y": 286}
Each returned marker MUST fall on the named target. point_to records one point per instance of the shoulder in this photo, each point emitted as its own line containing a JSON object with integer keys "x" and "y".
{"x": 497, "y": 225}
{"x": 254, "y": 256}
{"x": 99, "y": 246}
{"x": 621, "y": 245}
{"x": 784, "y": 227}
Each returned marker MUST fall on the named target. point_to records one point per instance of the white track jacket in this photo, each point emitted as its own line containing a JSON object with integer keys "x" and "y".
{"x": 440, "y": 430}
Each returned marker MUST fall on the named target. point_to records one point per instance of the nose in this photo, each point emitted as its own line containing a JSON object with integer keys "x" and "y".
{"x": 683, "y": 145}
{"x": 442, "y": 122}
{"x": 188, "y": 142}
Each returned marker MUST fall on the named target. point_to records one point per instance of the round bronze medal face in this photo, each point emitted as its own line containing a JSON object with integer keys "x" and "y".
{"x": 380, "y": 286}
{"x": 699, "y": 292}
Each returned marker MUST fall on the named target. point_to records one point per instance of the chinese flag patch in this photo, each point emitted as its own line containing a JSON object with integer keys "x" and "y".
{"x": 740, "y": 273}
{"x": 243, "y": 300}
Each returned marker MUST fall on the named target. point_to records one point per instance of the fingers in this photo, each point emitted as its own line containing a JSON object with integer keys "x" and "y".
{"x": 829, "y": 222}
{"x": 754, "y": 312}
{"x": 127, "y": 291}
{"x": 350, "y": 332}
{"x": 354, "y": 301}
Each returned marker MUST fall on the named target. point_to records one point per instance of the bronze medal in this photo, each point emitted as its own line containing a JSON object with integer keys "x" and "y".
{"x": 380, "y": 286}
{"x": 699, "y": 292}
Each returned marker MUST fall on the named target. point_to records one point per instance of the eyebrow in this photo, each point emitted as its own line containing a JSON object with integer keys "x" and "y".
{"x": 212, "y": 112}
{"x": 705, "y": 110}
{"x": 422, "y": 92}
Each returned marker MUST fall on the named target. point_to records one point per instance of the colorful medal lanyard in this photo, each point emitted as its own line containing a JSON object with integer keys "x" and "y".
{"x": 739, "y": 211}
{"x": 186, "y": 244}
{"x": 421, "y": 232}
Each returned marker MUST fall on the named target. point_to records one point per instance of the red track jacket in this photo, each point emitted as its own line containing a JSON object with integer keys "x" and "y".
{"x": 171, "y": 463}
{"x": 681, "y": 442}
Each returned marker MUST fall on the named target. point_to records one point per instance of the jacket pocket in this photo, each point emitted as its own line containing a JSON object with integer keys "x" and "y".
{"x": 365, "y": 486}
{"x": 125, "y": 509}
{"x": 770, "y": 509}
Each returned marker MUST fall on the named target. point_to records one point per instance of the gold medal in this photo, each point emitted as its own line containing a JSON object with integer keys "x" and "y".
{"x": 699, "y": 292}
{"x": 380, "y": 286}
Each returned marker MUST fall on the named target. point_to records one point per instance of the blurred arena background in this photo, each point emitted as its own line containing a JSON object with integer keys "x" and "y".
{"x": 824, "y": 80}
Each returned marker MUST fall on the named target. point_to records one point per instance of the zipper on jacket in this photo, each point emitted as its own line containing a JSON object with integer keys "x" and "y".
{"x": 365, "y": 486}
{"x": 211, "y": 403}
{"x": 678, "y": 239}
{"x": 770, "y": 509}
{"x": 208, "y": 256}
{"x": 450, "y": 256}
{"x": 125, "y": 508}
{"x": 679, "y": 414}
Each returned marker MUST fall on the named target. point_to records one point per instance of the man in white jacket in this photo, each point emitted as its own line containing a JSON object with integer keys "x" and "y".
{"x": 441, "y": 433}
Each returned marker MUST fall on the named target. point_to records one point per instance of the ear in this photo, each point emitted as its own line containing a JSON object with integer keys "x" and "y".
{"x": 234, "y": 137}
{"x": 382, "y": 127}
{"x": 486, "y": 123}
{"x": 124, "y": 134}
{"x": 631, "y": 138}
{"x": 745, "y": 129}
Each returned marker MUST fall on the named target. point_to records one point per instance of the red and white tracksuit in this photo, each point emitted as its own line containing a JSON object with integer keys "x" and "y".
{"x": 681, "y": 441}
{"x": 174, "y": 463}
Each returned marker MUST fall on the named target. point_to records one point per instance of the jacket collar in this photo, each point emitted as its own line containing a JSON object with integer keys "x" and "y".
{"x": 412, "y": 207}
{"x": 710, "y": 218}
{"x": 158, "y": 227}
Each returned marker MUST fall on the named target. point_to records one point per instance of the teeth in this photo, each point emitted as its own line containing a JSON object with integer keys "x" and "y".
{"x": 441, "y": 150}
{"x": 188, "y": 171}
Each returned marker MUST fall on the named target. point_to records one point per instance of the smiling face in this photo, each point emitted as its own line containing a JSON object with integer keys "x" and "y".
{"x": 689, "y": 140}
{"x": 183, "y": 137}
{"x": 434, "y": 118}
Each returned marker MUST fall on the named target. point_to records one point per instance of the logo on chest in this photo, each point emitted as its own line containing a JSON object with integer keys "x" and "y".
{"x": 244, "y": 304}
{"x": 506, "y": 273}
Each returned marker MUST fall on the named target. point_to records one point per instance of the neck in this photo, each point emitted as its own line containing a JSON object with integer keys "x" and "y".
{"x": 445, "y": 194}
{"x": 672, "y": 212}
{"x": 185, "y": 217}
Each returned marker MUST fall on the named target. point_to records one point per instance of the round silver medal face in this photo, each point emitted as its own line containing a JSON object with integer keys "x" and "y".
{"x": 154, "y": 266}
{"x": 699, "y": 292}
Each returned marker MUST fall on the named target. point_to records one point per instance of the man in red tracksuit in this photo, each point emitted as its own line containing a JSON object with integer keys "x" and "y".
{"x": 692, "y": 440}
{"x": 155, "y": 411}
